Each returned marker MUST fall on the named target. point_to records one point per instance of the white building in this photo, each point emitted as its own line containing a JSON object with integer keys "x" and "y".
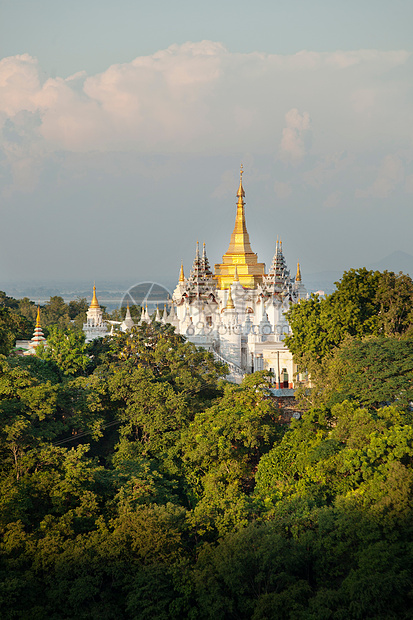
{"x": 239, "y": 312}
{"x": 95, "y": 326}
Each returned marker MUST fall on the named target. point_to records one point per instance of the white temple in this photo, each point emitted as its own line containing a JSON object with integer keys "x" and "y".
{"x": 239, "y": 313}
{"x": 95, "y": 326}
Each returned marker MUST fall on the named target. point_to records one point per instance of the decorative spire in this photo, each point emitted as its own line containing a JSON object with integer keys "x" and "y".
{"x": 38, "y": 317}
{"x": 240, "y": 192}
{"x": 230, "y": 301}
{"x": 205, "y": 262}
{"x": 240, "y": 241}
{"x": 181, "y": 273}
{"x": 240, "y": 252}
{"x": 236, "y": 278}
{"x": 38, "y": 336}
{"x": 298, "y": 276}
{"x": 95, "y": 303}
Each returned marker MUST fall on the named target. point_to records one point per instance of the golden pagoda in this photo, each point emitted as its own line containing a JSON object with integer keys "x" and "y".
{"x": 239, "y": 255}
{"x": 95, "y": 303}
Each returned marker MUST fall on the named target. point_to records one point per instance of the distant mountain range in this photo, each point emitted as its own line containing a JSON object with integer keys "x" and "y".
{"x": 324, "y": 280}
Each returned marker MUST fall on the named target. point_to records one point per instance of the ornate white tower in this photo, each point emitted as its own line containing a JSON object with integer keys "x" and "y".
{"x": 95, "y": 326}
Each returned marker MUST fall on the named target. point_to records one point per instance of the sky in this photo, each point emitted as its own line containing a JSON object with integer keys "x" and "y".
{"x": 123, "y": 126}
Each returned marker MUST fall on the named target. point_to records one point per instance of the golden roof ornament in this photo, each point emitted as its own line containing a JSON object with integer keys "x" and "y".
{"x": 38, "y": 317}
{"x": 298, "y": 276}
{"x": 239, "y": 252}
{"x": 230, "y": 301}
{"x": 95, "y": 303}
{"x": 240, "y": 192}
{"x": 181, "y": 273}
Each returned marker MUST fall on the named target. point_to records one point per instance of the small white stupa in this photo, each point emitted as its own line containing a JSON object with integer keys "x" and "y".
{"x": 127, "y": 322}
{"x": 38, "y": 336}
{"x": 95, "y": 326}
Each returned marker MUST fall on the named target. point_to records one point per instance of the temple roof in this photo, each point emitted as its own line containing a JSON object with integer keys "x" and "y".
{"x": 239, "y": 253}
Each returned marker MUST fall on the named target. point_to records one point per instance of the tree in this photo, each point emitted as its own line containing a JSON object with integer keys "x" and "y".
{"x": 12, "y": 327}
{"x": 365, "y": 303}
{"x": 372, "y": 371}
{"x": 66, "y": 349}
{"x": 55, "y": 312}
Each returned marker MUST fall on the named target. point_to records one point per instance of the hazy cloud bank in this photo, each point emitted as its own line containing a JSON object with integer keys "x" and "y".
{"x": 200, "y": 96}
{"x": 322, "y": 136}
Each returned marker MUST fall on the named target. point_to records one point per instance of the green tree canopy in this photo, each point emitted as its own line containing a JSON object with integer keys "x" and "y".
{"x": 66, "y": 349}
{"x": 365, "y": 303}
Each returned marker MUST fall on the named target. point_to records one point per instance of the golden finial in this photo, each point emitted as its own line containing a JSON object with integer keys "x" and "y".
{"x": 298, "y": 276}
{"x": 240, "y": 192}
{"x": 181, "y": 273}
{"x": 236, "y": 278}
{"x": 230, "y": 301}
{"x": 38, "y": 317}
{"x": 95, "y": 303}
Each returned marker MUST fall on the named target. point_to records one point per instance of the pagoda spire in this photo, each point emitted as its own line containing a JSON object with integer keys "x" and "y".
{"x": 298, "y": 276}
{"x": 240, "y": 240}
{"x": 95, "y": 303}
{"x": 230, "y": 302}
{"x": 240, "y": 192}
{"x": 239, "y": 252}
{"x": 181, "y": 273}
{"x": 38, "y": 336}
{"x": 236, "y": 277}
{"x": 205, "y": 262}
{"x": 38, "y": 317}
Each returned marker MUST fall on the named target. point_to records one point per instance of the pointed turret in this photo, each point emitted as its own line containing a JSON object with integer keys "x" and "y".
{"x": 230, "y": 302}
{"x": 236, "y": 277}
{"x": 299, "y": 288}
{"x": 298, "y": 276}
{"x": 128, "y": 322}
{"x": 38, "y": 317}
{"x": 278, "y": 281}
{"x": 38, "y": 335}
{"x": 95, "y": 326}
{"x": 205, "y": 263}
{"x": 239, "y": 252}
{"x": 95, "y": 303}
{"x": 181, "y": 274}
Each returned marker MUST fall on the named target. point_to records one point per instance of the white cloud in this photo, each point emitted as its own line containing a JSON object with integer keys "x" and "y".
{"x": 19, "y": 83}
{"x": 201, "y": 98}
{"x": 293, "y": 137}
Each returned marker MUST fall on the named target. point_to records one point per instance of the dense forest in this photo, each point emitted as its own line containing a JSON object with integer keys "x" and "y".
{"x": 135, "y": 482}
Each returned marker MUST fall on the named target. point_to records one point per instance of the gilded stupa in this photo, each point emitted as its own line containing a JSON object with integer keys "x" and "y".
{"x": 38, "y": 336}
{"x": 239, "y": 254}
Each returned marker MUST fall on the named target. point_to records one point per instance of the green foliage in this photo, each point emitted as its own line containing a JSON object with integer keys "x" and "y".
{"x": 143, "y": 486}
{"x": 364, "y": 303}
{"x": 374, "y": 371}
{"x": 12, "y": 327}
{"x": 66, "y": 350}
